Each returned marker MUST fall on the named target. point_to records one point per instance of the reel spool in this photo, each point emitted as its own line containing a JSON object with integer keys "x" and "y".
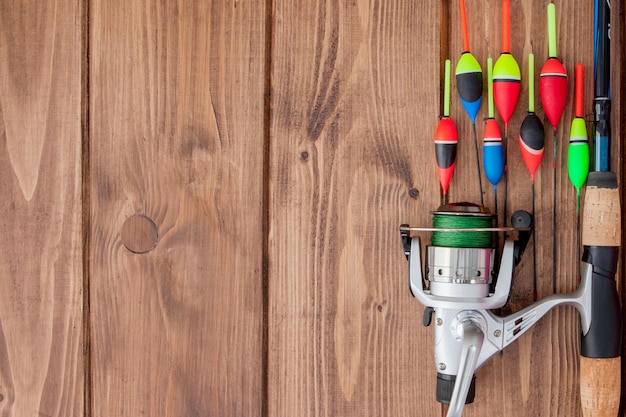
{"x": 460, "y": 260}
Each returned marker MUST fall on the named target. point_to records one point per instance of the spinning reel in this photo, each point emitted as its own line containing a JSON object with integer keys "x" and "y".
{"x": 459, "y": 296}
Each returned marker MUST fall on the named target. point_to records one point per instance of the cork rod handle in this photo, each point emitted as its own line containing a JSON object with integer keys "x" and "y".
{"x": 600, "y": 361}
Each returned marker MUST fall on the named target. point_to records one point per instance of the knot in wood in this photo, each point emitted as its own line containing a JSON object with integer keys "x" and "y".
{"x": 139, "y": 234}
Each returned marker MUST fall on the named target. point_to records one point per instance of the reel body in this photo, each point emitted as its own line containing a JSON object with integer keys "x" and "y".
{"x": 458, "y": 295}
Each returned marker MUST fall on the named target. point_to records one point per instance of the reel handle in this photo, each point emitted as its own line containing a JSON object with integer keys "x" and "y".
{"x": 472, "y": 337}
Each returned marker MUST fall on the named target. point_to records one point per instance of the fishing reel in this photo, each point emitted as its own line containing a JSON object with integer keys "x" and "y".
{"x": 460, "y": 268}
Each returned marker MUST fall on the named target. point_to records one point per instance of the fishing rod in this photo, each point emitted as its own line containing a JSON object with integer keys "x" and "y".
{"x": 532, "y": 144}
{"x": 601, "y": 75}
{"x": 600, "y": 361}
{"x": 469, "y": 83}
{"x": 553, "y": 94}
{"x": 446, "y": 140}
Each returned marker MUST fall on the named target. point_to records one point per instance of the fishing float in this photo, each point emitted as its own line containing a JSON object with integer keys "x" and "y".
{"x": 446, "y": 140}
{"x": 532, "y": 143}
{"x": 553, "y": 94}
{"x": 506, "y": 85}
{"x": 493, "y": 155}
{"x": 578, "y": 152}
{"x": 469, "y": 84}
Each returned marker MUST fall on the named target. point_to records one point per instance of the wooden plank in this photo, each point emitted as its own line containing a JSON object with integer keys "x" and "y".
{"x": 354, "y": 107}
{"x": 177, "y": 102}
{"x": 41, "y": 260}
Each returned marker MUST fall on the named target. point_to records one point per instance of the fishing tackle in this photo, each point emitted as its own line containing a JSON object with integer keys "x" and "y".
{"x": 600, "y": 349}
{"x": 602, "y": 91}
{"x": 506, "y": 85}
{"x": 454, "y": 282}
{"x": 532, "y": 143}
{"x": 469, "y": 74}
{"x": 531, "y": 134}
{"x": 553, "y": 94}
{"x": 553, "y": 76}
{"x": 493, "y": 155}
{"x": 469, "y": 83}
{"x": 446, "y": 140}
{"x": 506, "y": 73}
{"x": 578, "y": 150}
{"x": 459, "y": 295}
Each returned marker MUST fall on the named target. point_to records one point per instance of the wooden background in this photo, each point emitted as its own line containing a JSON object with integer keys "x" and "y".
{"x": 201, "y": 203}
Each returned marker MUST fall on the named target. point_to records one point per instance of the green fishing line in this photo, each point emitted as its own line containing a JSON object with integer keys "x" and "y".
{"x": 462, "y": 239}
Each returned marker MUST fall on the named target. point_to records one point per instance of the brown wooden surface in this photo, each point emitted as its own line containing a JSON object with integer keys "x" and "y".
{"x": 352, "y": 115}
{"x": 41, "y": 265}
{"x": 177, "y": 96}
{"x": 227, "y": 219}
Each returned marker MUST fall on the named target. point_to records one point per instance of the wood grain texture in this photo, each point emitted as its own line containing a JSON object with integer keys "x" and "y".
{"x": 184, "y": 164}
{"x": 177, "y": 104}
{"x": 41, "y": 315}
{"x": 354, "y": 93}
